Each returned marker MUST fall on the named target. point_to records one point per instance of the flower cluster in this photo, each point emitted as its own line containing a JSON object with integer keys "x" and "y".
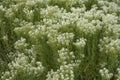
{"x": 21, "y": 44}
{"x": 65, "y": 72}
{"x": 60, "y": 39}
{"x": 118, "y": 74}
{"x": 110, "y": 45}
{"x": 105, "y": 74}
{"x": 80, "y": 43}
{"x": 23, "y": 66}
{"x": 65, "y": 38}
{"x": 65, "y": 56}
{"x": 24, "y": 28}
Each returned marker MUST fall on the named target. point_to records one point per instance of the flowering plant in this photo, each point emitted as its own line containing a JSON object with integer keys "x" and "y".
{"x": 60, "y": 40}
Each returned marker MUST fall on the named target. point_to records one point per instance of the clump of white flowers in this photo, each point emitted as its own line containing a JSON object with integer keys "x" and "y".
{"x": 106, "y": 75}
{"x": 110, "y": 45}
{"x": 60, "y": 39}
{"x": 65, "y": 56}
{"x": 21, "y": 44}
{"x": 118, "y": 74}
{"x": 80, "y": 43}
{"x": 65, "y": 38}
{"x": 23, "y": 66}
{"x": 64, "y": 73}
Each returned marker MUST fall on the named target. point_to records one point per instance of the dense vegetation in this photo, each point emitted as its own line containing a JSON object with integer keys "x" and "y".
{"x": 59, "y": 39}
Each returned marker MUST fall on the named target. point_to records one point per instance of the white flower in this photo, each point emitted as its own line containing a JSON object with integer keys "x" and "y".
{"x": 80, "y": 43}
{"x": 9, "y": 13}
{"x": 105, "y": 74}
{"x": 21, "y": 44}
